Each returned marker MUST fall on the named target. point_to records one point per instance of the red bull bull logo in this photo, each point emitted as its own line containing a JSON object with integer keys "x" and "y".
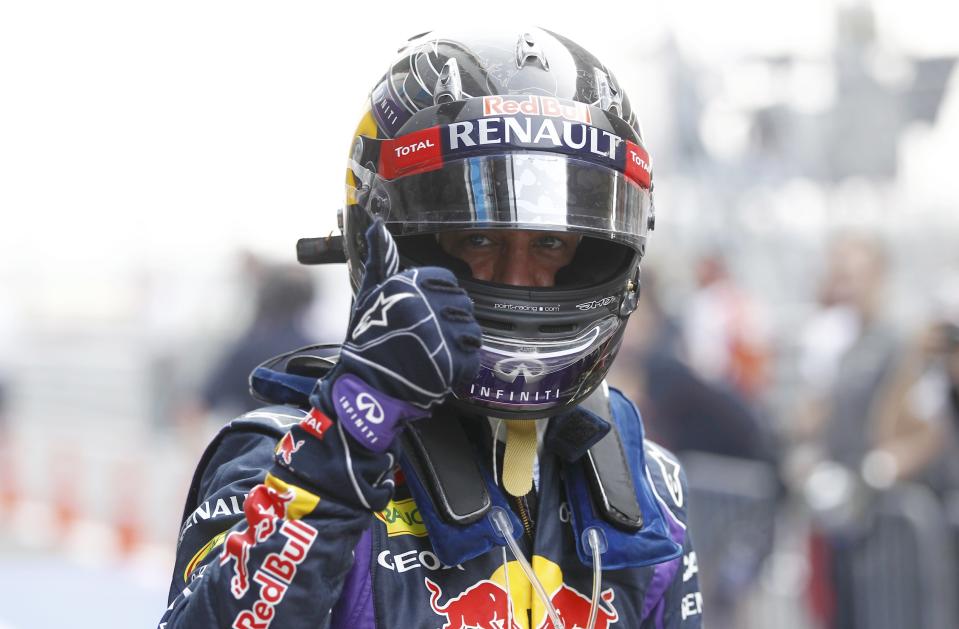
{"x": 485, "y": 605}
{"x": 276, "y": 575}
{"x": 573, "y": 609}
{"x": 287, "y": 447}
{"x": 263, "y": 507}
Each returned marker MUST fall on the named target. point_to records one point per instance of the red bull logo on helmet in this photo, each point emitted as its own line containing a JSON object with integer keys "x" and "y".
{"x": 532, "y": 105}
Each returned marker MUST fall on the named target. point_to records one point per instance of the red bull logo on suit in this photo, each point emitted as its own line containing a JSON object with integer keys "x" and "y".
{"x": 266, "y": 510}
{"x": 263, "y": 507}
{"x": 573, "y": 609}
{"x": 488, "y": 605}
{"x": 484, "y": 605}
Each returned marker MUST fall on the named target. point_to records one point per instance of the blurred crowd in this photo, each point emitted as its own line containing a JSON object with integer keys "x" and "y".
{"x": 845, "y": 407}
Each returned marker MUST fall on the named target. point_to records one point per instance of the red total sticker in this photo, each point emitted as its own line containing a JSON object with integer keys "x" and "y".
{"x": 415, "y": 152}
{"x": 316, "y": 423}
{"x": 638, "y": 167}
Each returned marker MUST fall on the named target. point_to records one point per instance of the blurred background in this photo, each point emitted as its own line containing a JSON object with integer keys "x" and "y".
{"x": 798, "y": 341}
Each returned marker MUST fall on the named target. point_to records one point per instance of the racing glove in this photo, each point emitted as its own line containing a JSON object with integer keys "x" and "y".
{"x": 411, "y": 339}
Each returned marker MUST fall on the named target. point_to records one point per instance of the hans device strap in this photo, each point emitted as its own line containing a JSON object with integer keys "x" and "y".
{"x": 446, "y": 463}
{"x": 607, "y": 469}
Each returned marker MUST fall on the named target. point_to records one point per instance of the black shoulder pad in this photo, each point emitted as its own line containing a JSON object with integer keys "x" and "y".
{"x": 445, "y": 463}
{"x": 608, "y": 471}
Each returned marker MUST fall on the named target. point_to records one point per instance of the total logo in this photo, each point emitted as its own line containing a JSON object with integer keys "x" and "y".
{"x": 638, "y": 166}
{"x": 488, "y": 605}
{"x": 413, "y": 147}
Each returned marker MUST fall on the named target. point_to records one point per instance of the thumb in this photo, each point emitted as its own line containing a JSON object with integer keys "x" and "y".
{"x": 382, "y": 257}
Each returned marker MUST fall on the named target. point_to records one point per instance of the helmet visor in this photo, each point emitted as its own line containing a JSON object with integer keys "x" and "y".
{"x": 526, "y": 376}
{"x": 521, "y": 190}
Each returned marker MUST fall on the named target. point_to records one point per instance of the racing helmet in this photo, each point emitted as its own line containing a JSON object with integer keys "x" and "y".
{"x": 519, "y": 130}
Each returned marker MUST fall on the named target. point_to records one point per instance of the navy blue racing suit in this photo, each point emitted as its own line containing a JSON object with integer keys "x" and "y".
{"x": 279, "y": 530}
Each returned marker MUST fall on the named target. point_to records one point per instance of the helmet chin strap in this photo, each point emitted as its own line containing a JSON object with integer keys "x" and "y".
{"x": 519, "y": 456}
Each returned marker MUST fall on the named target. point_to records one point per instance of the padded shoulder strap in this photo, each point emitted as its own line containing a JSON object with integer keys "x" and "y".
{"x": 445, "y": 462}
{"x": 607, "y": 468}
{"x": 609, "y": 491}
{"x": 289, "y": 378}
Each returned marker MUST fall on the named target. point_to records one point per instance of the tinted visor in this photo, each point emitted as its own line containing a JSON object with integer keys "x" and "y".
{"x": 529, "y": 378}
{"x": 521, "y": 190}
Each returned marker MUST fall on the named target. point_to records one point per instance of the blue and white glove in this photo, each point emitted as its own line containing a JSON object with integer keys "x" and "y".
{"x": 411, "y": 339}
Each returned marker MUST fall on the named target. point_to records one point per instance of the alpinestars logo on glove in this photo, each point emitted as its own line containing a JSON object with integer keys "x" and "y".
{"x": 378, "y": 310}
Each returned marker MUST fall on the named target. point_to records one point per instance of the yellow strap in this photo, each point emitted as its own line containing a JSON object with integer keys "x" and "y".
{"x": 519, "y": 456}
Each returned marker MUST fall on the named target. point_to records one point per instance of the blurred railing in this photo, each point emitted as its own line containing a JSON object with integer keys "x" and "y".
{"x": 904, "y": 569}
{"x": 100, "y": 501}
{"x": 753, "y": 552}
{"x": 732, "y": 513}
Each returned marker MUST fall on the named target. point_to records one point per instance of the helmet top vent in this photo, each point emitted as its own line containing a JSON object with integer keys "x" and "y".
{"x": 610, "y": 96}
{"x": 529, "y": 51}
{"x": 449, "y": 85}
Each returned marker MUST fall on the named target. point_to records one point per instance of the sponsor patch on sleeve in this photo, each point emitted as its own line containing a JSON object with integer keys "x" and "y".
{"x": 402, "y": 517}
{"x": 303, "y": 501}
{"x": 202, "y": 554}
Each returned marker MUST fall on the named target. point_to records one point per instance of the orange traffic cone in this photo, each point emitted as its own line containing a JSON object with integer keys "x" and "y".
{"x": 126, "y": 523}
{"x": 66, "y": 475}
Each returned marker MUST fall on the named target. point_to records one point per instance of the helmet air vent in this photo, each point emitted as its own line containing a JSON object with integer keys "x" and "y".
{"x": 449, "y": 86}
{"x": 558, "y": 328}
{"x": 528, "y": 51}
{"x": 610, "y": 96}
{"x": 495, "y": 324}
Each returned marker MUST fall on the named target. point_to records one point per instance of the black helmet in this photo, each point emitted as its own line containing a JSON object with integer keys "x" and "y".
{"x": 515, "y": 130}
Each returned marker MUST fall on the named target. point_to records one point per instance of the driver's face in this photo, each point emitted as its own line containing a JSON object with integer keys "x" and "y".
{"x": 519, "y": 258}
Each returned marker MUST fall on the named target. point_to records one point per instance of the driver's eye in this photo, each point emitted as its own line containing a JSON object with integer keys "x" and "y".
{"x": 478, "y": 240}
{"x": 550, "y": 242}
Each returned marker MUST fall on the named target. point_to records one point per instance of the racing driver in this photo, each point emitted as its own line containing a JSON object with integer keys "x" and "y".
{"x": 458, "y": 461}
